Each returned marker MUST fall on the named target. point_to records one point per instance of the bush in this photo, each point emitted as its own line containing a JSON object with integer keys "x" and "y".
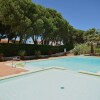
{"x": 97, "y": 50}
{"x": 22, "y": 54}
{"x": 76, "y": 51}
{"x": 37, "y": 54}
{"x": 81, "y": 49}
{"x": 9, "y": 49}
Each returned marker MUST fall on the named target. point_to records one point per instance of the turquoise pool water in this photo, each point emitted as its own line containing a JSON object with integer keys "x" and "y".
{"x": 79, "y": 63}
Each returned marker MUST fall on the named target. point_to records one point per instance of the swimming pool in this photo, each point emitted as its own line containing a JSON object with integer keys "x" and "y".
{"x": 78, "y": 63}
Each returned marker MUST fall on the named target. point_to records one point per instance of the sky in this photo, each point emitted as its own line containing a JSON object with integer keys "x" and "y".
{"x": 81, "y": 14}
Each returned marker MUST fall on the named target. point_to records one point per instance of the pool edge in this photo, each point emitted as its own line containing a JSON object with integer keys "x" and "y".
{"x": 89, "y": 73}
{"x": 30, "y": 72}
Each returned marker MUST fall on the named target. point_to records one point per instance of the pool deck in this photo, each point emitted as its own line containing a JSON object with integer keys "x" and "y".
{"x": 6, "y": 70}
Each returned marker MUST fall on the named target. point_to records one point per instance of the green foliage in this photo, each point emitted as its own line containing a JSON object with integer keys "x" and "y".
{"x": 76, "y": 51}
{"x": 37, "y": 54}
{"x": 81, "y": 49}
{"x": 92, "y": 35}
{"x": 97, "y": 50}
{"x": 86, "y": 49}
{"x": 25, "y": 19}
{"x": 13, "y": 49}
{"x": 22, "y": 54}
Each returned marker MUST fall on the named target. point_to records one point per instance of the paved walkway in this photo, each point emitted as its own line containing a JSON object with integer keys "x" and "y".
{"x": 6, "y": 70}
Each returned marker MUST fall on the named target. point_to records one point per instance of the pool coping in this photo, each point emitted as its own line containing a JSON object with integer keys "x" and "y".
{"x": 29, "y": 72}
{"x": 44, "y": 69}
{"x": 89, "y": 73}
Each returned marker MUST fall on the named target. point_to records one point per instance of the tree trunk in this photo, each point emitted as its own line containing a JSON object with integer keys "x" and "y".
{"x": 48, "y": 42}
{"x": 92, "y": 49}
{"x": 52, "y": 43}
{"x": 8, "y": 40}
{"x": 20, "y": 40}
{"x": 56, "y": 43}
{"x": 15, "y": 40}
{"x": 34, "y": 39}
{"x": 60, "y": 42}
{"x": 25, "y": 41}
{"x": 42, "y": 41}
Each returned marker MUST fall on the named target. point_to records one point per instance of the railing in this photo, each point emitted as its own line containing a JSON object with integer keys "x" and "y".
{"x": 15, "y": 59}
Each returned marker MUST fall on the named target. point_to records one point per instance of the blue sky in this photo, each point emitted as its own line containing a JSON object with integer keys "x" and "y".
{"x": 82, "y": 14}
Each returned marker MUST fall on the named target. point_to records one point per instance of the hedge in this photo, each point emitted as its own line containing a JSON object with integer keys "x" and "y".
{"x": 9, "y": 49}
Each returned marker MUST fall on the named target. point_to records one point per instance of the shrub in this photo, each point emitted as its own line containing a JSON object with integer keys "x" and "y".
{"x": 76, "y": 51}
{"x": 9, "y": 49}
{"x": 37, "y": 54}
{"x": 97, "y": 50}
{"x": 81, "y": 49}
{"x": 22, "y": 54}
